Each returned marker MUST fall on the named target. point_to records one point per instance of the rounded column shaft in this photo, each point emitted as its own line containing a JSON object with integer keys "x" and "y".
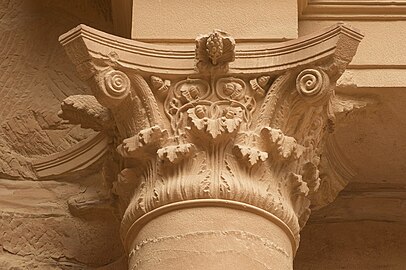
{"x": 211, "y": 237}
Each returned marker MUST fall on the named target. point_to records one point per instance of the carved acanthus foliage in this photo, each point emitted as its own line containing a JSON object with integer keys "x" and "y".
{"x": 252, "y": 138}
{"x": 213, "y": 124}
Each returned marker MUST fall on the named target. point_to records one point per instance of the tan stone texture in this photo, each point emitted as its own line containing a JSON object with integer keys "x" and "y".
{"x": 37, "y": 229}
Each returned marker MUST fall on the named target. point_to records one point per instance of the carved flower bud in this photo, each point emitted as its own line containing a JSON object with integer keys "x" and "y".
{"x": 159, "y": 85}
{"x": 191, "y": 93}
{"x": 214, "y": 46}
{"x": 229, "y": 114}
{"x": 156, "y": 82}
{"x": 229, "y": 89}
{"x": 233, "y": 90}
{"x": 259, "y": 85}
{"x": 194, "y": 92}
{"x": 263, "y": 81}
{"x": 200, "y": 111}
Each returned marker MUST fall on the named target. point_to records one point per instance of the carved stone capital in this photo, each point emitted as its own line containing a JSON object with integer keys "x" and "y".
{"x": 219, "y": 124}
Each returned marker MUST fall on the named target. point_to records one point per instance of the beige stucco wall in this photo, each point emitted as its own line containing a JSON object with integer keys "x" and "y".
{"x": 182, "y": 20}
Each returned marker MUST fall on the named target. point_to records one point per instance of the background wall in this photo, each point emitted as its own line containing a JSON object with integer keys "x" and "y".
{"x": 365, "y": 227}
{"x": 37, "y": 229}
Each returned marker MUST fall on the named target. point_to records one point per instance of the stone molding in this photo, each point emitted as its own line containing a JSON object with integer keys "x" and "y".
{"x": 74, "y": 159}
{"x": 142, "y": 221}
{"x": 352, "y": 10}
{"x": 84, "y": 44}
{"x": 230, "y": 123}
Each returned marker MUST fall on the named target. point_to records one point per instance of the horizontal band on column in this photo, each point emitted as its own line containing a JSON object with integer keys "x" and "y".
{"x": 142, "y": 221}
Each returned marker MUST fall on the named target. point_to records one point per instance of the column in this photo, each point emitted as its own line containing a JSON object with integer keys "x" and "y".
{"x": 216, "y": 146}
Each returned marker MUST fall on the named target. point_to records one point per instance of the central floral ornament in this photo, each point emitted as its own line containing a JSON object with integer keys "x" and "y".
{"x": 239, "y": 133}
{"x": 214, "y": 45}
{"x": 214, "y": 51}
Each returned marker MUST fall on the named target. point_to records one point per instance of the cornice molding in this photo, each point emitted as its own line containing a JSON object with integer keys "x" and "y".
{"x": 84, "y": 43}
{"x": 352, "y": 10}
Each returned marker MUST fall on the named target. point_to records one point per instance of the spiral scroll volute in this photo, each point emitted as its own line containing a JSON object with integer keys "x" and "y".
{"x": 313, "y": 85}
{"x": 113, "y": 86}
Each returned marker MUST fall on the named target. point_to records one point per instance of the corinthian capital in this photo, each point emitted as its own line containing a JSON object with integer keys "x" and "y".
{"x": 223, "y": 124}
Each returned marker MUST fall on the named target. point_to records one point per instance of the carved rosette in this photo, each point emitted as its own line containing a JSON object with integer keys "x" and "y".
{"x": 216, "y": 132}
